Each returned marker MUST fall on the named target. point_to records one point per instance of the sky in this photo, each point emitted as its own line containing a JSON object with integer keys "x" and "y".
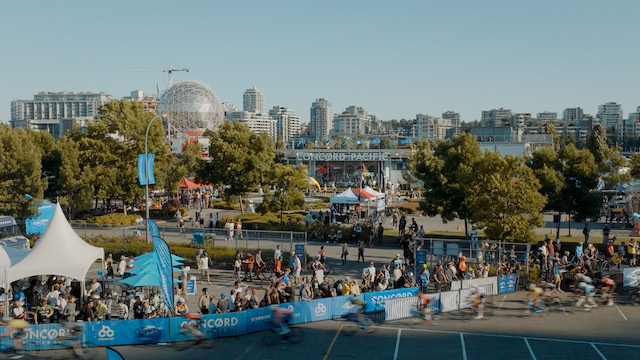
{"x": 395, "y": 59}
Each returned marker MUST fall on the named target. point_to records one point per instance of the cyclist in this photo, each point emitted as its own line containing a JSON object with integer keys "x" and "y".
{"x": 281, "y": 317}
{"x": 608, "y": 287}
{"x": 589, "y": 293}
{"x": 359, "y": 313}
{"x": 424, "y": 306}
{"x": 15, "y": 328}
{"x": 74, "y": 333}
{"x": 193, "y": 327}
{"x": 478, "y": 294}
{"x": 534, "y": 301}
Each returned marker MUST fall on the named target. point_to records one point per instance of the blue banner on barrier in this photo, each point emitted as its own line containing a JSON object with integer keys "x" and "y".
{"x": 38, "y": 336}
{"x": 216, "y": 325}
{"x": 434, "y": 303}
{"x": 143, "y": 331}
{"x": 259, "y": 319}
{"x": 375, "y": 301}
{"x": 506, "y": 283}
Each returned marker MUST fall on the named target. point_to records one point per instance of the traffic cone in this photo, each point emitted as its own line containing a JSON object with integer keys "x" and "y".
{"x": 458, "y": 226}
{"x": 566, "y": 218}
{"x": 551, "y": 232}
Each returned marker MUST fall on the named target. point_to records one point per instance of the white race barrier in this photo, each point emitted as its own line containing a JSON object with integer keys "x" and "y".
{"x": 400, "y": 308}
{"x": 482, "y": 282}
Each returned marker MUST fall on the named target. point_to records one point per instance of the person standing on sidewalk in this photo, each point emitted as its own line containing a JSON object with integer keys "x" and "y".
{"x": 345, "y": 252}
{"x": 361, "y": 250}
{"x": 586, "y": 232}
{"x": 239, "y": 229}
{"x": 203, "y": 302}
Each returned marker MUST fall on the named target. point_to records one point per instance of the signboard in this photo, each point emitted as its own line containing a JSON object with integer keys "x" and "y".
{"x": 191, "y": 286}
{"x": 506, "y": 283}
{"x": 631, "y": 277}
{"x": 343, "y": 156}
{"x": 380, "y": 205}
{"x": 299, "y": 249}
{"x": 421, "y": 259}
{"x": 375, "y": 301}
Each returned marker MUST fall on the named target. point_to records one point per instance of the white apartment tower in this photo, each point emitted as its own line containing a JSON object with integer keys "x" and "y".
{"x": 56, "y": 112}
{"x": 320, "y": 120}
{"x": 253, "y": 100}
{"x": 353, "y": 121}
{"x": 610, "y": 117}
{"x": 430, "y": 127}
{"x": 547, "y": 116}
{"x": 287, "y": 122}
{"x": 495, "y": 117}
{"x": 454, "y": 118}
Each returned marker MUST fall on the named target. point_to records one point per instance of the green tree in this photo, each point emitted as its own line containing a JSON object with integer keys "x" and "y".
{"x": 579, "y": 170}
{"x": 76, "y": 181}
{"x": 634, "y": 164}
{"x": 50, "y": 161}
{"x": 185, "y": 164}
{"x": 239, "y": 158}
{"x": 597, "y": 144}
{"x": 502, "y": 195}
{"x": 289, "y": 181}
{"x": 122, "y": 126}
{"x": 547, "y": 167}
{"x": 20, "y": 174}
{"x": 444, "y": 171}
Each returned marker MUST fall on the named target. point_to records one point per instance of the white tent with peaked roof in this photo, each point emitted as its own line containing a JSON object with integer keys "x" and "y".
{"x": 346, "y": 197}
{"x": 59, "y": 251}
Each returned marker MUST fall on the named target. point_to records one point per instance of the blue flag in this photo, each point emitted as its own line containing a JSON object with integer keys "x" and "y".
{"x": 153, "y": 229}
{"x": 345, "y": 143}
{"x": 358, "y": 142}
{"x": 328, "y": 143}
{"x": 165, "y": 270}
{"x": 316, "y": 143}
{"x": 142, "y": 174}
{"x": 375, "y": 141}
{"x": 393, "y": 142}
{"x": 405, "y": 141}
{"x": 299, "y": 144}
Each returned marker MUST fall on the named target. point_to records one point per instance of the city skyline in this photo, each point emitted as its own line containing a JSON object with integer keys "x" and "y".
{"x": 393, "y": 61}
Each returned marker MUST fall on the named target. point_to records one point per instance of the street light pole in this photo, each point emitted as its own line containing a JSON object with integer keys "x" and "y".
{"x": 146, "y": 174}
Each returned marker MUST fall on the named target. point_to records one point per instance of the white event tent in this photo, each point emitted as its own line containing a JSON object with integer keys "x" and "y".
{"x": 346, "y": 197}
{"x": 59, "y": 251}
{"x": 378, "y": 195}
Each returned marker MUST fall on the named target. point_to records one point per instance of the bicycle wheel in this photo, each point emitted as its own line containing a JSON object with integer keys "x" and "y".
{"x": 296, "y": 335}
{"x": 270, "y": 337}
{"x": 266, "y": 273}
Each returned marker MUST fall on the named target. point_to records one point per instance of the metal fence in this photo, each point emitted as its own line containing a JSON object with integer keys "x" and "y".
{"x": 245, "y": 239}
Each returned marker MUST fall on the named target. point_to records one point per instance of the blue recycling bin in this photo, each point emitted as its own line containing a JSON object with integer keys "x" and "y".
{"x": 198, "y": 239}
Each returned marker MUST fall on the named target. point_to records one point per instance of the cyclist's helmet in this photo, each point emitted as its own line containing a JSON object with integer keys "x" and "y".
{"x": 193, "y": 316}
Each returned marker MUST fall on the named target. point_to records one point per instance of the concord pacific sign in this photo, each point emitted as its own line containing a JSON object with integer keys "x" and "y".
{"x": 341, "y": 156}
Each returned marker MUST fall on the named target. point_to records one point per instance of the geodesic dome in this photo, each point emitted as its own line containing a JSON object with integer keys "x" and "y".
{"x": 191, "y": 105}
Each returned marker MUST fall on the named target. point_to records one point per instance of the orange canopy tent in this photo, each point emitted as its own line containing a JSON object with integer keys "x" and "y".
{"x": 191, "y": 184}
{"x": 365, "y": 194}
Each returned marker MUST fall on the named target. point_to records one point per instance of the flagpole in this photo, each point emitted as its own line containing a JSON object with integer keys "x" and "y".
{"x": 146, "y": 174}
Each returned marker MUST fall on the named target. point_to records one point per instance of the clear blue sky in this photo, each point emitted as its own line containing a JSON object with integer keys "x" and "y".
{"x": 395, "y": 59}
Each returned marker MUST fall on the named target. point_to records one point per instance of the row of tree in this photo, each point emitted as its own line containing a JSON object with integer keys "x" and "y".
{"x": 507, "y": 195}
{"x": 100, "y": 162}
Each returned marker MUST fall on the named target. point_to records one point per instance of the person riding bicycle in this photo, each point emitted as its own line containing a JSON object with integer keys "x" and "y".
{"x": 424, "y": 306}
{"x": 359, "y": 313}
{"x": 193, "y": 327}
{"x": 536, "y": 297}
{"x": 15, "y": 329}
{"x": 608, "y": 287}
{"x": 74, "y": 334}
{"x": 610, "y": 250}
{"x": 478, "y": 294}
{"x": 281, "y": 318}
{"x": 589, "y": 293}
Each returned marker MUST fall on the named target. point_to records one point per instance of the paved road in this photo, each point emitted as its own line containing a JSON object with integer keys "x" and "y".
{"x": 603, "y": 333}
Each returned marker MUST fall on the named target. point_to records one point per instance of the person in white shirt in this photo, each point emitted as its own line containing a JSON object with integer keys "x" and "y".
{"x": 122, "y": 265}
{"x": 371, "y": 270}
{"x": 96, "y": 286}
{"x": 204, "y": 267}
{"x": 297, "y": 267}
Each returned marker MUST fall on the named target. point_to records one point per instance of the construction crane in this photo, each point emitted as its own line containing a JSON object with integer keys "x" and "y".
{"x": 169, "y": 71}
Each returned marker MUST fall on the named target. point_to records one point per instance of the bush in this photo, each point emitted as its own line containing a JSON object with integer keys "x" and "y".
{"x": 114, "y": 218}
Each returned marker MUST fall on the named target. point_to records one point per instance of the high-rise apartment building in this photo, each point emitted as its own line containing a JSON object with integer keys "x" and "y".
{"x": 547, "y": 116}
{"x": 353, "y": 121}
{"x": 495, "y": 117}
{"x": 431, "y": 127}
{"x": 519, "y": 119}
{"x": 320, "y": 120}
{"x": 257, "y": 122}
{"x": 287, "y": 123}
{"x": 56, "y": 112}
{"x": 610, "y": 117}
{"x": 454, "y": 118}
{"x": 253, "y": 100}
{"x": 572, "y": 115}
